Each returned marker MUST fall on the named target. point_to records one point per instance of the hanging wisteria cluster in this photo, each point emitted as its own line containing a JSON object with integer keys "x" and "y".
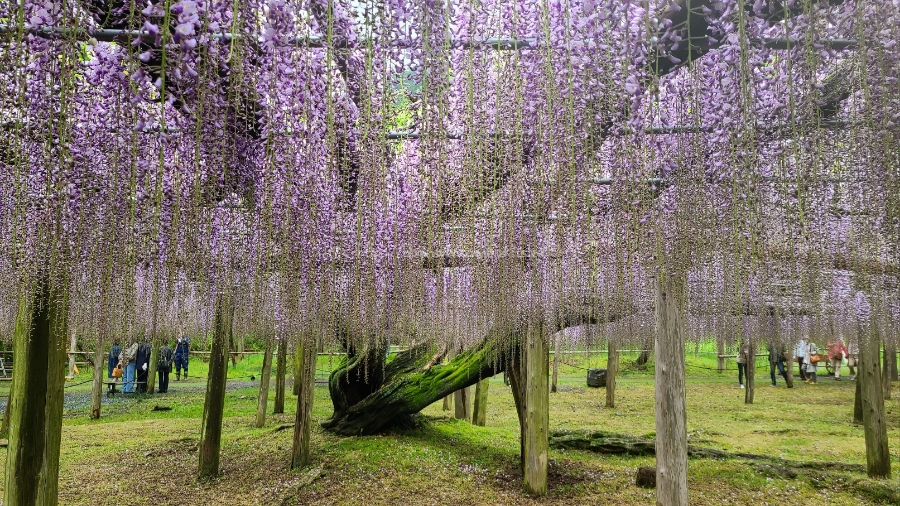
{"x": 428, "y": 170}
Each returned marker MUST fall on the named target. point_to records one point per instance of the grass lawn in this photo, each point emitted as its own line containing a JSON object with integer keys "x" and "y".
{"x": 134, "y": 455}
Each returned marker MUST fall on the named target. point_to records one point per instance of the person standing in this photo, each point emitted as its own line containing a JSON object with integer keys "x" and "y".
{"x": 800, "y": 353}
{"x": 144, "y": 352}
{"x": 182, "y": 348}
{"x": 127, "y": 358}
{"x": 742, "y": 360}
{"x": 776, "y": 360}
{"x": 112, "y": 362}
{"x": 837, "y": 350}
{"x": 812, "y": 352}
{"x": 164, "y": 366}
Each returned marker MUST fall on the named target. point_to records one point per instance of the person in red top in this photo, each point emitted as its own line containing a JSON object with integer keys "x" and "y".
{"x": 837, "y": 350}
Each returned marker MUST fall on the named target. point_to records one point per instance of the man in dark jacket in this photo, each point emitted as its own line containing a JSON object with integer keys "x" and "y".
{"x": 182, "y": 348}
{"x": 164, "y": 366}
{"x": 776, "y": 361}
{"x": 142, "y": 360}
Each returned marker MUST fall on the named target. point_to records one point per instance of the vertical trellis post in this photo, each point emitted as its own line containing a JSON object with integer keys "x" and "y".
{"x": 306, "y": 393}
{"x": 264, "y": 377}
{"x": 612, "y": 369}
{"x": 878, "y": 457}
{"x": 281, "y": 366}
{"x": 536, "y": 351}
{"x": 671, "y": 411}
{"x": 750, "y": 379}
{"x": 97, "y": 383}
{"x": 479, "y": 408}
{"x": 214, "y": 407}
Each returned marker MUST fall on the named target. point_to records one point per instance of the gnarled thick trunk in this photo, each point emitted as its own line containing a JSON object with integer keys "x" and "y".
{"x": 36, "y": 399}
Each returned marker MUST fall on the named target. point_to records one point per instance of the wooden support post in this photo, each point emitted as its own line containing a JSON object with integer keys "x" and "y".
{"x": 298, "y": 369}
{"x": 264, "y": 378}
{"x": 555, "y": 364}
{"x": 448, "y": 403}
{"x": 462, "y": 403}
{"x": 306, "y": 394}
{"x": 479, "y": 410}
{"x": 720, "y": 348}
{"x": 72, "y": 349}
{"x": 671, "y": 412}
{"x": 857, "y": 401}
{"x": 750, "y": 380}
{"x": 97, "y": 383}
{"x": 281, "y": 366}
{"x": 536, "y": 418}
{"x": 878, "y": 457}
{"x": 612, "y": 368}
{"x": 4, "y": 426}
{"x": 214, "y": 407}
{"x": 887, "y": 365}
{"x": 36, "y": 399}
{"x": 151, "y": 367}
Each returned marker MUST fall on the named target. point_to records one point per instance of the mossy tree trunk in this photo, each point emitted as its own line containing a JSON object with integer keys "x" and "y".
{"x": 36, "y": 398}
{"x": 878, "y": 457}
{"x": 214, "y": 407}
{"x": 280, "y": 366}
{"x": 612, "y": 368}
{"x": 671, "y": 411}
{"x": 265, "y": 377}
{"x": 479, "y": 407}
{"x": 305, "y": 384}
{"x": 97, "y": 384}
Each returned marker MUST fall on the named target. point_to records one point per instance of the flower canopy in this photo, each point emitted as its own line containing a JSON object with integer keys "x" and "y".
{"x": 429, "y": 169}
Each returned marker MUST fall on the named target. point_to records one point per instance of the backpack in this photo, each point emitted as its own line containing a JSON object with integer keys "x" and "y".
{"x": 165, "y": 358}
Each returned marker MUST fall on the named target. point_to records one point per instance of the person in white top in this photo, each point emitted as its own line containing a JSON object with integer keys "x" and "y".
{"x": 800, "y": 353}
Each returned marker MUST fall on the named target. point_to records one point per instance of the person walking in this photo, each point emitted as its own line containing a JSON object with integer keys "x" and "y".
{"x": 800, "y": 353}
{"x": 112, "y": 362}
{"x": 776, "y": 360}
{"x": 837, "y": 350}
{"x": 164, "y": 366}
{"x": 144, "y": 352}
{"x": 742, "y": 360}
{"x": 182, "y": 349}
{"x": 812, "y": 356}
{"x": 128, "y": 365}
{"x": 853, "y": 357}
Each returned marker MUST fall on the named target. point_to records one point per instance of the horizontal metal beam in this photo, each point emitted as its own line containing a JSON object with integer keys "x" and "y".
{"x": 317, "y": 41}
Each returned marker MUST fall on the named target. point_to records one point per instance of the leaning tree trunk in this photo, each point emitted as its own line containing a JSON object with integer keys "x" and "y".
{"x": 97, "y": 384}
{"x": 36, "y": 395}
{"x": 306, "y": 381}
{"x": 281, "y": 366}
{"x": 264, "y": 378}
{"x": 214, "y": 407}
{"x": 671, "y": 411}
{"x": 878, "y": 457}
{"x": 612, "y": 368}
{"x": 479, "y": 407}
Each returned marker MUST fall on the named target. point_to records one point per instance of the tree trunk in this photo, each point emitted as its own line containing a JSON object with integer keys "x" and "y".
{"x": 555, "y": 365}
{"x": 612, "y": 368}
{"x": 214, "y": 407}
{"x": 878, "y": 457}
{"x": 306, "y": 381}
{"x": 750, "y": 380}
{"x": 4, "y": 426}
{"x": 462, "y": 404}
{"x": 891, "y": 349}
{"x": 97, "y": 385}
{"x": 448, "y": 403}
{"x": 720, "y": 348}
{"x": 479, "y": 409}
{"x": 298, "y": 370}
{"x": 36, "y": 395}
{"x": 536, "y": 414}
{"x": 281, "y": 365}
{"x": 885, "y": 372}
{"x": 671, "y": 414}
{"x": 264, "y": 378}
{"x": 151, "y": 368}
{"x": 857, "y": 401}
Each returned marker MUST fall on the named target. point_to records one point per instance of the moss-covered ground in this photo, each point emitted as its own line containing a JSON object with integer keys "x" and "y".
{"x": 135, "y": 455}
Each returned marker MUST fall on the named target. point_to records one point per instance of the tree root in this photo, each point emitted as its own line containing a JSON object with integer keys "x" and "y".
{"x": 622, "y": 444}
